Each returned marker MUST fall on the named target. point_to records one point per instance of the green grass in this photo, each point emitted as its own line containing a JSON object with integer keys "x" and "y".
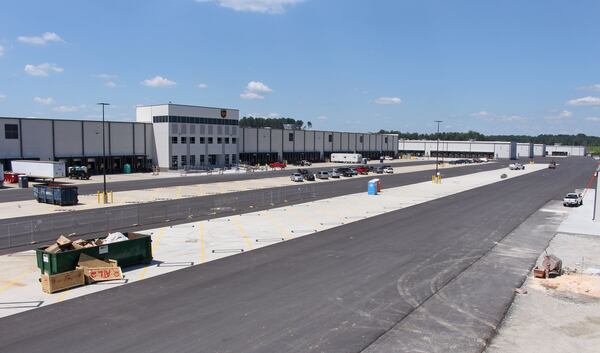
{"x": 594, "y": 150}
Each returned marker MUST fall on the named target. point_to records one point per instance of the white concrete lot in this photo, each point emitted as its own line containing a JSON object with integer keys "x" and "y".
{"x": 194, "y": 243}
{"x": 86, "y": 202}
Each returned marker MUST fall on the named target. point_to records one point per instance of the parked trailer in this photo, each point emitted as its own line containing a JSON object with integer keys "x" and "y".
{"x": 39, "y": 169}
{"x": 346, "y": 157}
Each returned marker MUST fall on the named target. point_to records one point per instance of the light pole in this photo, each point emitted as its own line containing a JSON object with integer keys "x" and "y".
{"x": 105, "y": 195}
{"x": 437, "y": 149}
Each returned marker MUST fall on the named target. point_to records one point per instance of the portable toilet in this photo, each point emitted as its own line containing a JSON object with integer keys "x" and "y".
{"x": 378, "y": 181}
{"x": 127, "y": 168}
{"x": 372, "y": 187}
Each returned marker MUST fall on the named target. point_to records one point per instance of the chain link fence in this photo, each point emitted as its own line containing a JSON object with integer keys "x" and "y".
{"x": 89, "y": 223}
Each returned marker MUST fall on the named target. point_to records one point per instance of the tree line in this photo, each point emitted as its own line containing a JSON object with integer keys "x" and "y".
{"x": 579, "y": 139}
{"x": 273, "y": 123}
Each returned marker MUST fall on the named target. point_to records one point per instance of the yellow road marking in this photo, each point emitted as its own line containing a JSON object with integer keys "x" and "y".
{"x": 242, "y": 232}
{"x": 16, "y": 279}
{"x": 155, "y": 242}
{"x": 202, "y": 245}
{"x": 279, "y": 227}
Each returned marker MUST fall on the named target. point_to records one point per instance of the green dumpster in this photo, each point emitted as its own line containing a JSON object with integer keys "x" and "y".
{"x": 137, "y": 250}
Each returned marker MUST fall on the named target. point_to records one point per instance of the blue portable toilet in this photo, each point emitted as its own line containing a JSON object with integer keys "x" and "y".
{"x": 372, "y": 187}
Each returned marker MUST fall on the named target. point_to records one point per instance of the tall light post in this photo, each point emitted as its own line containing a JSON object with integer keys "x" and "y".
{"x": 437, "y": 149}
{"x": 105, "y": 195}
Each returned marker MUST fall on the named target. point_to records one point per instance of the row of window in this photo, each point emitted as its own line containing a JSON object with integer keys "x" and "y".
{"x": 211, "y": 160}
{"x": 202, "y": 140}
{"x": 193, "y": 120}
{"x": 11, "y": 131}
{"x": 330, "y": 138}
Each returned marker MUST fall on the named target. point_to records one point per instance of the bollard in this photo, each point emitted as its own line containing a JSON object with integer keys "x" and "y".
{"x": 98, "y": 194}
{"x": 433, "y": 178}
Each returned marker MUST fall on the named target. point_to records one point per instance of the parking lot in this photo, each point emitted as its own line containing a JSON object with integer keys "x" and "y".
{"x": 181, "y": 246}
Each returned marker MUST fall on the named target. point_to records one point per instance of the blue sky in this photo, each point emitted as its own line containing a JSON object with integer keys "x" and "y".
{"x": 524, "y": 67}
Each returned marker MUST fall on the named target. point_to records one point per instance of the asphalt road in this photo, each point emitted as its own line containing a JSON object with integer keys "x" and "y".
{"x": 27, "y": 194}
{"x": 333, "y": 291}
{"x": 22, "y": 233}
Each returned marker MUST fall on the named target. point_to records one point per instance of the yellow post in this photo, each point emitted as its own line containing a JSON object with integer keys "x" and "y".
{"x": 439, "y": 179}
{"x": 98, "y": 193}
{"x": 433, "y": 178}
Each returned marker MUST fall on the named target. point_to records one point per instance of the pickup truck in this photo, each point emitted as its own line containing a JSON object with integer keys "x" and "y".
{"x": 573, "y": 199}
{"x": 277, "y": 165}
{"x": 362, "y": 170}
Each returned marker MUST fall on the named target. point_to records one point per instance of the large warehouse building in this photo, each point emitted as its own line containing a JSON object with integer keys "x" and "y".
{"x": 174, "y": 136}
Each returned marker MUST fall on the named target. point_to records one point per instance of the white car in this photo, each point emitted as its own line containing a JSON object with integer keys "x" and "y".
{"x": 388, "y": 170}
{"x": 573, "y": 199}
{"x": 296, "y": 177}
{"x": 516, "y": 166}
{"x": 388, "y": 158}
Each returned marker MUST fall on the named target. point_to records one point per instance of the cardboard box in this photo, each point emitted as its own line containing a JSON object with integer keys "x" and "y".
{"x": 62, "y": 281}
{"x": 63, "y": 241}
{"x": 96, "y": 270}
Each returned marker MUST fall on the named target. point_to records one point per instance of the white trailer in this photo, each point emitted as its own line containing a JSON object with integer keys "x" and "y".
{"x": 346, "y": 157}
{"x": 39, "y": 169}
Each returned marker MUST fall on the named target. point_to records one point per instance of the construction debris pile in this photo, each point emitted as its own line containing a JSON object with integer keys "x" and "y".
{"x": 66, "y": 264}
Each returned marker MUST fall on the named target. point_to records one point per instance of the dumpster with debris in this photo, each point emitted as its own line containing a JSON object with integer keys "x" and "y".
{"x": 64, "y": 255}
{"x": 63, "y": 195}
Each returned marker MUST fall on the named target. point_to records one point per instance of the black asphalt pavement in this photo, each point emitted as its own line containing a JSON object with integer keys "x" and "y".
{"x": 9, "y": 195}
{"x": 334, "y": 291}
{"x": 21, "y": 233}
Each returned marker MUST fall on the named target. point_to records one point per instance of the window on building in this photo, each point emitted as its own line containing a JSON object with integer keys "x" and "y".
{"x": 330, "y": 138}
{"x": 183, "y": 161}
{"x": 233, "y": 159}
{"x": 173, "y": 139}
{"x": 234, "y": 140}
{"x": 361, "y": 139}
{"x": 11, "y": 131}
{"x": 219, "y": 140}
{"x": 192, "y": 139}
{"x": 201, "y": 159}
{"x": 226, "y": 159}
{"x": 174, "y": 164}
{"x": 212, "y": 159}
{"x": 183, "y": 139}
{"x": 386, "y": 140}
{"x": 193, "y": 160}
{"x": 202, "y": 129}
{"x": 210, "y": 140}
{"x": 226, "y": 140}
{"x": 291, "y": 136}
{"x": 202, "y": 140}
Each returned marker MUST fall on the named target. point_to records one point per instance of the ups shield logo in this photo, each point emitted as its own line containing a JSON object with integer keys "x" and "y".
{"x": 223, "y": 113}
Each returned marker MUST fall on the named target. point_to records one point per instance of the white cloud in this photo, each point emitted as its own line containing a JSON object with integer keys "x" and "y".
{"x": 42, "y": 69}
{"x": 593, "y": 118}
{"x": 158, "y": 81}
{"x": 251, "y": 95}
{"x": 594, "y": 87}
{"x": 1, "y": 50}
{"x": 322, "y": 117}
{"x": 255, "y": 89}
{"x": 585, "y": 101}
{"x": 109, "y": 80}
{"x": 68, "y": 108}
{"x": 202, "y": 85}
{"x": 563, "y": 115}
{"x": 260, "y": 6}
{"x": 388, "y": 100}
{"x": 482, "y": 113}
{"x": 256, "y": 86}
{"x": 43, "y": 101}
{"x": 44, "y": 39}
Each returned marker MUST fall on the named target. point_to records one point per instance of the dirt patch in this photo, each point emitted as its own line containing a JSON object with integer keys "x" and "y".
{"x": 577, "y": 283}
